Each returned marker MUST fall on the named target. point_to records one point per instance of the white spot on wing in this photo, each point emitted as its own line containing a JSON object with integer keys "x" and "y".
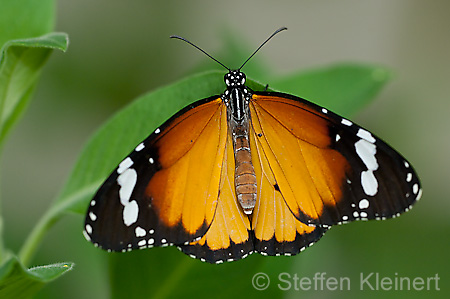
{"x": 92, "y": 216}
{"x": 363, "y": 203}
{"x": 88, "y": 229}
{"x": 366, "y": 151}
{"x": 419, "y": 195}
{"x": 415, "y": 188}
{"x": 157, "y": 131}
{"x": 127, "y": 180}
{"x": 140, "y": 232}
{"x": 86, "y": 235}
{"x": 139, "y": 147}
{"x": 124, "y": 165}
{"x": 130, "y": 213}
{"x": 409, "y": 177}
{"x": 369, "y": 182}
{"x": 346, "y": 122}
{"x": 365, "y": 135}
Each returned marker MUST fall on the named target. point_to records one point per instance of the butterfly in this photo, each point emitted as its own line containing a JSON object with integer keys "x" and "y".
{"x": 248, "y": 171}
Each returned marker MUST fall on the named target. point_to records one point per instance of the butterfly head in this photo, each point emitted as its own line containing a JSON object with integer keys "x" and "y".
{"x": 234, "y": 79}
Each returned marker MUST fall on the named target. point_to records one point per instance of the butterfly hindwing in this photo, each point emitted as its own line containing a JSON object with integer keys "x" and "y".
{"x": 160, "y": 194}
{"x": 277, "y": 231}
{"x": 228, "y": 238}
{"x": 328, "y": 169}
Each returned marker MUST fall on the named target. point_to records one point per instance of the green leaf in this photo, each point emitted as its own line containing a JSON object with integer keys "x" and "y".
{"x": 168, "y": 273}
{"x": 18, "y": 282}
{"x": 342, "y": 88}
{"x": 21, "y": 19}
{"x": 20, "y": 64}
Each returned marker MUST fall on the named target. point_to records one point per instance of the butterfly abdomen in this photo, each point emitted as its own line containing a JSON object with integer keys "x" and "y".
{"x": 244, "y": 176}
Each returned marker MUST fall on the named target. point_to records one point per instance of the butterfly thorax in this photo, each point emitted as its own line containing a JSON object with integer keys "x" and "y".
{"x": 237, "y": 97}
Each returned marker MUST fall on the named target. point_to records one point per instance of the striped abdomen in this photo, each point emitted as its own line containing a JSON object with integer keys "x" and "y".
{"x": 244, "y": 175}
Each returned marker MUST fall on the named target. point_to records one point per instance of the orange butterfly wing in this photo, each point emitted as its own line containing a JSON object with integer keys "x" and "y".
{"x": 228, "y": 237}
{"x": 277, "y": 231}
{"x": 165, "y": 192}
{"x": 184, "y": 191}
{"x": 326, "y": 169}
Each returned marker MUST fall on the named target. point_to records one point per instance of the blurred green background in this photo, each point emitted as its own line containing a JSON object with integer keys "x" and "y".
{"x": 120, "y": 50}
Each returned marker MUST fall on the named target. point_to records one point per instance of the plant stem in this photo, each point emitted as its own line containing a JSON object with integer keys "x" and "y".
{"x": 2, "y": 246}
{"x": 48, "y": 219}
{"x": 32, "y": 242}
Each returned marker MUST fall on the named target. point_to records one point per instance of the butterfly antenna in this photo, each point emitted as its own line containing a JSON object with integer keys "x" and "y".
{"x": 273, "y": 34}
{"x": 204, "y": 52}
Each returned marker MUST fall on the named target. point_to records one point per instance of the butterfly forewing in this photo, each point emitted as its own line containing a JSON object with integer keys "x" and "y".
{"x": 380, "y": 183}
